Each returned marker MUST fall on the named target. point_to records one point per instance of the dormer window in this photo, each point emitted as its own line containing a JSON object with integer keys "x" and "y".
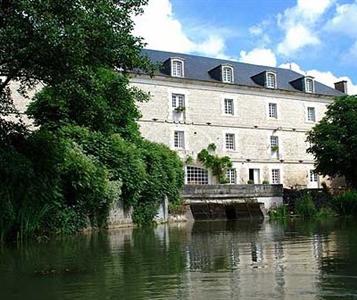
{"x": 227, "y": 74}
{"x": 309, "y": 85}
{"x": 177, "y": 67}
{"x": 270, "y": 81}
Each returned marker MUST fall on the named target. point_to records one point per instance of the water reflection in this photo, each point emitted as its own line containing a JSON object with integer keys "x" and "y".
{"x": 204, "y": 260}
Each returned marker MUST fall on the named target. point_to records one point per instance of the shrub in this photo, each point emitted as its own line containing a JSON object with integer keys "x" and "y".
{"x": 165, "y": 177}
{"x": 345, "y": 204}
{"x": 305, "y": 206}
{"x": 280, "y": 212}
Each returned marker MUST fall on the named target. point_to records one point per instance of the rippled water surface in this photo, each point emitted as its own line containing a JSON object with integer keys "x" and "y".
{"x": 204, "y": 260}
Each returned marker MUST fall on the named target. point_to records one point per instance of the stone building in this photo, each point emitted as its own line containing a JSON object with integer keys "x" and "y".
{"x": 257, "y": 115}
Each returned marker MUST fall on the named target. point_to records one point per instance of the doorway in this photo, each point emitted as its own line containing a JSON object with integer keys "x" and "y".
{"x": 254, "y": 176}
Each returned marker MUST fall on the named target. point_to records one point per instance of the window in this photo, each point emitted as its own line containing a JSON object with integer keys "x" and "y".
{"x": 231, "y": 176}
{"x": 274, "y": 143}
{"x": 196, "y": 175}
{"x": 228, "y": 107}
{"x": 313, "y": 176}
{"x": 311, "y": 116}
{"x": 275, "y": 176}
{"x": 178, "y": 100}
{"x": 309, "y": 85}
{"x": 273, "y": 110}
{"x": 227, "y": 74}
{"x": 177, "y": 68}
{"x": 271, "y": 80}
{"x": 230, "y": 141}
{"x": 179, "y": 139}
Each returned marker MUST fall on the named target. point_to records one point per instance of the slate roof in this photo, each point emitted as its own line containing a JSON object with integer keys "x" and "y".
{"x": 197, "y": 68}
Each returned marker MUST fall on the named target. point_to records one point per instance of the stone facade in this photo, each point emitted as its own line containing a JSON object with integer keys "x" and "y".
{"x": 204, "y": 122}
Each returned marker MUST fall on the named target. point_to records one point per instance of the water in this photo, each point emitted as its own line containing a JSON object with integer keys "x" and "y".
{"x": 206, "y": 260}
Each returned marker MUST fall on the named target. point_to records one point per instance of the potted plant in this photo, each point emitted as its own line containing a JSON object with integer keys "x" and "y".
{"x": 180, "y": 109}
{"x": 275, "y": 148}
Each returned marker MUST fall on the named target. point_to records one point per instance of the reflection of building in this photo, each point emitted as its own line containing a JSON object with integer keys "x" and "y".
{"x": 257, "y": 115}
{"x": 250, "y": 260}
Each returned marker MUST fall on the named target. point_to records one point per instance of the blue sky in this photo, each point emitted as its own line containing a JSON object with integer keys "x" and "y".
{"x": 316, "y": 37}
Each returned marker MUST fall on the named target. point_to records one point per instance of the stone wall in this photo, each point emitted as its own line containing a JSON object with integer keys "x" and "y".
{"x": 269, "y": 195}
{"x": 204, "y": 122}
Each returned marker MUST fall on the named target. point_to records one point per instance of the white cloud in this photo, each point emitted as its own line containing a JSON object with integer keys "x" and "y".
{"x": 344, "y": 20}
{"x": 259, "y": 56}
{"x": 327, "y": 78}
{"x": 296, "y": 38}
{"x": 299, "y": 25}
{"x": 260, "y": 34}
{"x": 351, "y": 57}
{"x": 161, "y": 30}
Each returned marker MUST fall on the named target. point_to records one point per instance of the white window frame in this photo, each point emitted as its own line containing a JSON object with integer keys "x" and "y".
{"x": 274, "y": 141}
{"x": 273, "y": 181}
{"x": 175, "y": 100}
{"x": 231, "y": 175}
{"x": 224, "y": 77}
{"x": 226, "y": 108}
{"x": 276, "y": 111}
{"x": 233, "y": 141}
{"x": 308, "y": 115}
{"x": 177, "y": 142}
{"x": 313, "y": 176}
{"x": 174, "y": 71}
{"x": 268, "y": 82}
{"x": 306, "y": 80}
{"x": 202, "y": 178}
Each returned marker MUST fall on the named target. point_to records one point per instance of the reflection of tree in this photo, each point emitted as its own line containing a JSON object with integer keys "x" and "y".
{"x": 339, "y": 262}
{"x": 148, "y": 261}
{"x": 240, "y": 259}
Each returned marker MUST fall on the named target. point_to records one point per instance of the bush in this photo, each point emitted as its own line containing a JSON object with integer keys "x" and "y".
{"x": 345, "y": 204}
{"x": 305, "y": 207}
{"x": 165, "y": 178}
{"x": 281, "y": 212}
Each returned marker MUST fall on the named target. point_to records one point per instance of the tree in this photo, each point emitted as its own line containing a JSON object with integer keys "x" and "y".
{"x": 50, "y": 41}
{"x": 334, "y": 140}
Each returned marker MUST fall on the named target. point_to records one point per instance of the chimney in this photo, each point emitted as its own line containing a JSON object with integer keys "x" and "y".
{"x": 341, "y": 86}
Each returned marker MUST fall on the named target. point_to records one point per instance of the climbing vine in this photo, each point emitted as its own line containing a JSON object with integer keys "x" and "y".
{"x": 218, "y": 165}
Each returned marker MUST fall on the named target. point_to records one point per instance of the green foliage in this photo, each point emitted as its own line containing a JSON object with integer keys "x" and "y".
{"x": 325, "y": 212}
{"x": 52, "y": 41}
{"x": 279, "y": 213}
{"x": 99, "y": 100}
{"x": 165, "y": 177}
{"x": 265, "y": 181}
{"x": 250, "y": 181}
{"x": 88, "y": 152}
{"x": 189, "y": 160}
{"x": 218, "y": 165}
{"x": 275, "y": 148}
{"x": 212, "y": 147}
{"x": 334, "y": 140}
{"x": 305, "y": 207}
{"x": 345, "y": 204}
{"x": 177, "y": 208}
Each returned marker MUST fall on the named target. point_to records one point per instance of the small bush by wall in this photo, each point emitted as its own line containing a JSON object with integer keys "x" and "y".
{"x": 345, "y": 204}
{"x": 305, "y": 207}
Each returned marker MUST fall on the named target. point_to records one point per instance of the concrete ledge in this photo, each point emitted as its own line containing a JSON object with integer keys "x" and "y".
{"x": 233, "y": 190}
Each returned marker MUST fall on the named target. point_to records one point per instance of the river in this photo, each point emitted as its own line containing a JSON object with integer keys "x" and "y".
{"x": 204, "y": 260}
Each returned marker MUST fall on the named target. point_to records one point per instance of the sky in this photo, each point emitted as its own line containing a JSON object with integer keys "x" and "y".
{"x": 313, "y": 37}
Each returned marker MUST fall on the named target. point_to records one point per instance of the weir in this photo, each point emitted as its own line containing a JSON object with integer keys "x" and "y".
{"x": 231, "y": 202}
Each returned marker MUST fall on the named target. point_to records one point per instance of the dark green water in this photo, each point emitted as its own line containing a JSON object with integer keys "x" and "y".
{"x": 207, "y": 260}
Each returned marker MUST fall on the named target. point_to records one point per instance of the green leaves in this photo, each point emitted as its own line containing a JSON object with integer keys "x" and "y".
{"x": 334, "y": 140}
{"x": 218, "y": 165}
